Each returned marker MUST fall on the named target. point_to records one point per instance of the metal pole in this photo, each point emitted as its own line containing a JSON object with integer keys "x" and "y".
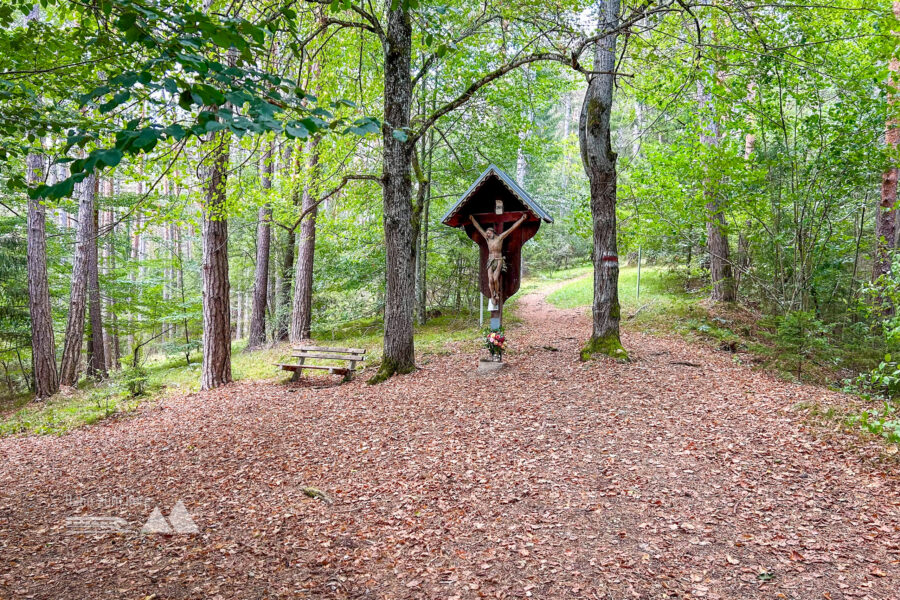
{"x": 639, "y": 275}
{"x": 481, "y": 311}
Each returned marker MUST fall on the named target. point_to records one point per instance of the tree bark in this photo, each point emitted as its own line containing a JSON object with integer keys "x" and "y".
{"x": 301, "y": 315}
{"x": 114, "y": 356}
{"x": 720, "y": 269}
{"x": 399, "y": 229}
{"x": 263, "y": 242}
{"x": 600, "y": 166}
{"x": 886, "y": 215}
{"x": 71, "y": 356}
{"x": 284, "y": 289}
{"x": 216, "y": 367}
{"x": 96, "y": 345}
{"x": 286, "y": 277}
{"x": 43, "y": 346}
{"x": 424, "y": 202}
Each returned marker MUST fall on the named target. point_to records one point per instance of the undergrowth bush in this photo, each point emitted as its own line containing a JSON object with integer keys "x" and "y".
{"x": 135, "y": 380}
{"x": 800, "y": 336}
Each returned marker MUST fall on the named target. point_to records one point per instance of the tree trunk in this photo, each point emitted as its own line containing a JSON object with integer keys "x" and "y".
{"x": 720, "y": 269}
{"x": 399, "y": 229}
{"x": 43, "y": 346}
{"x": 422, "y": 238}
{"x": 111, "y": 335}
{"x": 886, "y": 216}
{"x": 96, "y": 346}
{"x": 286, "y": 277}
{"x": 216, "y": 367}
{"x": 301, "y": 314}
{"x": 600, "y": 165}
{"x": 263, "y": 242}
{"x": 71, "y": 356}
{"x": 422, "y": 263}
{"x": 284, "y": 288}
{"x": 521, "y": 163}
{"x": 135, "y": 227}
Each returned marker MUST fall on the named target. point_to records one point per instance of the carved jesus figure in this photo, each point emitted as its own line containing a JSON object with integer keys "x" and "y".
{"x": 495, "y": 261}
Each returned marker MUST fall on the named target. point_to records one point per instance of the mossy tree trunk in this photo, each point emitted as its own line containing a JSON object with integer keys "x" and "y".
{"x": 96, "y": 345}
{"x": 399, "y": 227}
{"x": 216, "y": 367}
{"x": 600, "y": 166}
{"x": 721, "y": 273}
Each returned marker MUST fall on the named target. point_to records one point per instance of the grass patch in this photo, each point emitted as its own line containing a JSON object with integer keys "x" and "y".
{"x": 662, "y": 293}
{"x": 92, "y": 402}
{"x": 66, "y": 411}
{"x": 673, "y": 301}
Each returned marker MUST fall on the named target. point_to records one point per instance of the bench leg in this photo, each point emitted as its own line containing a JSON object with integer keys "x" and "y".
{"x": 349, "y": 374}
{"x": 296, "y": 376}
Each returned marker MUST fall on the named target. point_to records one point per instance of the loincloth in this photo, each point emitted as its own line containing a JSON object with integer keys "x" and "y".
{"x": 493, "y": 263}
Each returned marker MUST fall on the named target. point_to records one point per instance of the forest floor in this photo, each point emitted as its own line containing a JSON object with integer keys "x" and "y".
{"x": 678, "y": 474}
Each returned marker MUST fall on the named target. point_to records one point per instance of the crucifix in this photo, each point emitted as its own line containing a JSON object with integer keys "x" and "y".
{"x": 494, "y": 237}
{"x": 500, "y": 217}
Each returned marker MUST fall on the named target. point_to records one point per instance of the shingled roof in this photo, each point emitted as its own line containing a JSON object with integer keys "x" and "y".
{"x": 494, "y": 171}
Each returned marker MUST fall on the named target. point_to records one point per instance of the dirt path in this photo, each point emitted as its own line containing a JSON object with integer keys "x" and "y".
{"x": 555, "y": 480}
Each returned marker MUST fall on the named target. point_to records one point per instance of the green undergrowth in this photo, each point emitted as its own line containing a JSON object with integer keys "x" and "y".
{"x": 68, "y": 409}
{"x": 864, "y": 418}
{"x": 128, "y": 388}
{"x": 661, "y": 293}
{"x": 796, "y": 346}
{"x": 671, "y": 303}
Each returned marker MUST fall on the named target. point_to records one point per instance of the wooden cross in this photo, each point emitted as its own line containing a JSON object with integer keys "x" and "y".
{"x": 497, "y": 220}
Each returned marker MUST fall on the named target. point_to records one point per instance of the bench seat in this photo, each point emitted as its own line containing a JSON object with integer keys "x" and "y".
{"x": 351, "y": 356}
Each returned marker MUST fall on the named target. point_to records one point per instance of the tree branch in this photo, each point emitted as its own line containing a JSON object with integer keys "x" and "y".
{"x": 571, "y": 59}
{"x": 315, "y": 205}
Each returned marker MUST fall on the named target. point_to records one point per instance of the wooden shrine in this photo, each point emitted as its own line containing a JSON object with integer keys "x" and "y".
{"x": 496, "y": 201}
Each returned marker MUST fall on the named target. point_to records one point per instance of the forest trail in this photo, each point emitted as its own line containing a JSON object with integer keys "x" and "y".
{"x": 557, "y": 479}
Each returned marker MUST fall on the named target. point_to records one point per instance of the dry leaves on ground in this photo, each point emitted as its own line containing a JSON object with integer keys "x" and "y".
{"x": 556, "y": 479}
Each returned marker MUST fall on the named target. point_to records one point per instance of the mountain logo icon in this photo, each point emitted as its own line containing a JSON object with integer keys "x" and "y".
{"x": 179, "y": 521}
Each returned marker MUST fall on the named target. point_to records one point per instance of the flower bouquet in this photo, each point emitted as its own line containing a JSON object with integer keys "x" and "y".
{"x": 495, "y": 342}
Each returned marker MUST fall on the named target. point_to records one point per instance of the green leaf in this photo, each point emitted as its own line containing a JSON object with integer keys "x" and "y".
{"x": 109, "y": 158}
{"x": 214, "y": 126}
{"x": 365, "y": 126}
{"x": 127, "y": 20}
{"x": 146, "y": 138}
{"x": 185, "y": 99}
{"x": 209, "y": 95}
{"x": 117, "y": 100}
{"x": 296, "y": 131}
{"x": 175, "y": 131}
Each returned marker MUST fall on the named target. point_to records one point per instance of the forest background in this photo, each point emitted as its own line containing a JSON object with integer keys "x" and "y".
{"x": 756, "y": 180}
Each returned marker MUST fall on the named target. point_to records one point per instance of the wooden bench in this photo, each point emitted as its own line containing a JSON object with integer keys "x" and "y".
{"x": 351, "y": 356}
